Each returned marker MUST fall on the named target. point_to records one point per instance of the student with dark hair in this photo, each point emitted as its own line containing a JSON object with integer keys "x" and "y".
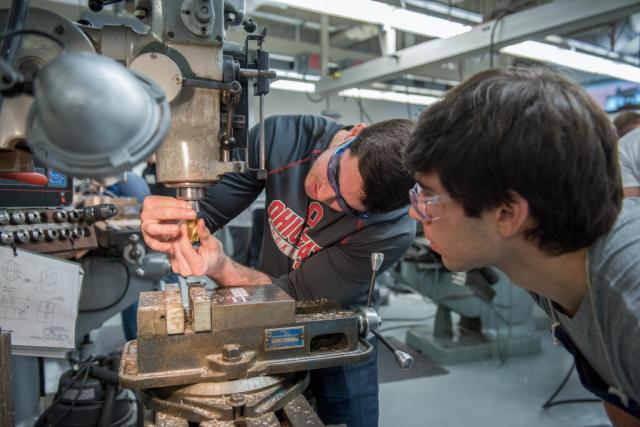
{"x": 517, "y": 168}
{"x": 334, "y": 195}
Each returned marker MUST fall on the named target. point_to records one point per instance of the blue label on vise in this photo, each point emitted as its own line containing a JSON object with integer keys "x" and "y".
{"x": 284, "y": 338}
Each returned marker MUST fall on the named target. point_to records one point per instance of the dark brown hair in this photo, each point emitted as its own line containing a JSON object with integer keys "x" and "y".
{"x": 379, "y": 151}
{"x": 532, "y": 132}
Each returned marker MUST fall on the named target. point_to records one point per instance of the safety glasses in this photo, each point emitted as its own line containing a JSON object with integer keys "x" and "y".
{"x": 333, "y": 174}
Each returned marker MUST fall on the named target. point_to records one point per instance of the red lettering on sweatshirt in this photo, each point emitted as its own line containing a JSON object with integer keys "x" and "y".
{"x": 290, "y": 232}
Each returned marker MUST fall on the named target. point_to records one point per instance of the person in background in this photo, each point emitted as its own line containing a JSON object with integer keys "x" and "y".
{"x": 131, "y": 185}
{"x": 628, "y": 127}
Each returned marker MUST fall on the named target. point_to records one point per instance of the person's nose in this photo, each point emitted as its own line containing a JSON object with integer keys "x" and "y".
{"x": 325, "y": 192}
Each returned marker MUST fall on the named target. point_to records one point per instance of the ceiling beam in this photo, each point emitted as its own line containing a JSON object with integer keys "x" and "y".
{"x": 562, "y": 16}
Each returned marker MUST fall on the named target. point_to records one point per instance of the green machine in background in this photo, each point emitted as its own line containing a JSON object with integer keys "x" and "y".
{"x": 496, "y": 317}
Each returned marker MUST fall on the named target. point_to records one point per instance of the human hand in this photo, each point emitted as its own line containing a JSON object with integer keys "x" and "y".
{"x": 206, "y": 259}
{"x": 160, "y": 221}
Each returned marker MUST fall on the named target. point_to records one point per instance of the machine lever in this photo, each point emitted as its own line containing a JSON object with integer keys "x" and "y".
{"x": 405, "y": 361}
{"x": 376, "y": 262}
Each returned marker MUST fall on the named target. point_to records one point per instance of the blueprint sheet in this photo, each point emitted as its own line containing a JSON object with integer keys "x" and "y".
{"x": 38, "y": 301}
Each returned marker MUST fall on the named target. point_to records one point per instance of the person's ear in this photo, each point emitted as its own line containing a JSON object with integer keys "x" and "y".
{"x": 513, "y": 216}
{"x": 355, "y": 131}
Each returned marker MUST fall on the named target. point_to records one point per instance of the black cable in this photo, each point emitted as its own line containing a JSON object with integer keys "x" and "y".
{"x": 107, "y": 406}
{"x": 40, "y": 422}
{"x": 497, "y": 20}
{"x": 314, "y": 100}
{"x": 409, "y": 111}
{"x": 16, "y": 21}
{"x": 549, "y": 403}
{"x": 34, "y": 32}
{"x": 140, "y": 407}
{"x": 117, "y": 301}
{"x": 83, "y": 368}
{"x": 363, "y": 112}
{"x": 75, "y": 399}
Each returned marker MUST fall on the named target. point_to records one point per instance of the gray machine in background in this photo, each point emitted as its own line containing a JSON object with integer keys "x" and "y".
{"x": 496, "y": 317}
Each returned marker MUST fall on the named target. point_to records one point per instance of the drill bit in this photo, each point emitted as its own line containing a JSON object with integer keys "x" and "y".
{"x": 192, "y": 230}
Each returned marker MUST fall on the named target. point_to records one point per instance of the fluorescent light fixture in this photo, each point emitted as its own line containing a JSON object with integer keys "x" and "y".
{"x": 379, "y": 13}
{"x": 293, "y": 86}
{"x": 569, "y": 58}
{"x": 447, "y": 9}
{"x": 379, "y": 95}
{"x": 403, "y": 89}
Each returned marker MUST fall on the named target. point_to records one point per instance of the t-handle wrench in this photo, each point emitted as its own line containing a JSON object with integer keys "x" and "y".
{"x": 405, "y": 361}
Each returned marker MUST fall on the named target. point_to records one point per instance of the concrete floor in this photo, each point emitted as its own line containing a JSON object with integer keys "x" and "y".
{"x": 485, "y": 394}
{"x": 480, "y": 394}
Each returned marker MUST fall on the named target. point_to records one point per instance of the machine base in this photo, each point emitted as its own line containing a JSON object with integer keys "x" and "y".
{"x": 467, "y": 348}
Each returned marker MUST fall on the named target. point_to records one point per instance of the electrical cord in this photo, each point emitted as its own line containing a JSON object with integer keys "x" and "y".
{"x": 314, "y": 100}
{"x": 363, "y": 113}
{"x": 34, "y": 32}
{"x": 408, "y": 104}
{"x": 499, "y": 17}
{"x": 75, "y": 400}
{"x": 84, "y": 366}
{"x": 118, "y": 300}
{"x": 549, "y": 403}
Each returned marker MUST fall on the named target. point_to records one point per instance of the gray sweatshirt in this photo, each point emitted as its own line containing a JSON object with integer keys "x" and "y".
{"x": 606, "y": 327}
{"x": 310, "y": 250}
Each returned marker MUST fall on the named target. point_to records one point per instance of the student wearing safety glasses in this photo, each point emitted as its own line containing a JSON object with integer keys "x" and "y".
{"x": 517, "y": 168}
{"x": 334, "y": 195}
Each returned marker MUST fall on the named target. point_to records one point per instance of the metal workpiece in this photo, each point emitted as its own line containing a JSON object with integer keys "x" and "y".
{"x": 240, "y": 307}
{"x": 174, "y": 310}
{"x": 200, "y": 304}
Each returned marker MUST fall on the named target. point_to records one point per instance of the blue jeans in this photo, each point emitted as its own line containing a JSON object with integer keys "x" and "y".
{"x": 348, "y": 394}
{"x": 130, "y": 321}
